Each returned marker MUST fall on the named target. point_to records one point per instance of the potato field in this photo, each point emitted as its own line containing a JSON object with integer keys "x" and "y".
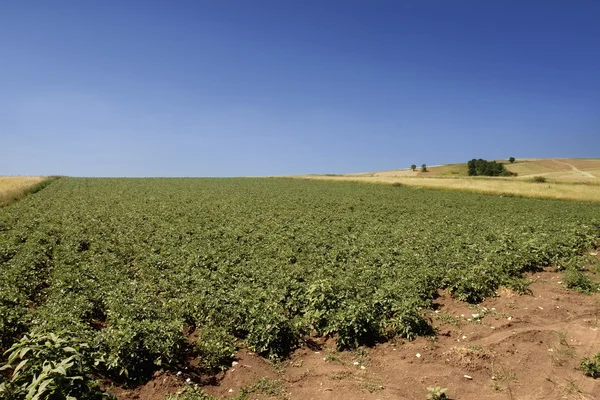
{"x": 122, "y": 277}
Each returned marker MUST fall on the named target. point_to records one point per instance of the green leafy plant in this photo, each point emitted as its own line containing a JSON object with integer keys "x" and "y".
{"x": 134, "y": 266}
{"x": 539, "y": 179}
{"x": 519, "y": 285}
{"x": 271, "y": 333}
{"x": 50, "y": 366}
{"x": 437, "y": 393}
{"x": 481, "y": 167}
{"x": 135, "y": 349}
{"x": 474, "y": 285}
{"x": 191, "y": 392}
{"x": 579, "y": 281}
{"x": 591, "y": 366}
{"x": 216, "y": 348}
{"x": 14, "y": 316}
{"x": 269, "y": 387}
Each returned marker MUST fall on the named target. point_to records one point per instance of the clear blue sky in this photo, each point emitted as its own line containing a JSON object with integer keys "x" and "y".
{"x": 223, "y": 88}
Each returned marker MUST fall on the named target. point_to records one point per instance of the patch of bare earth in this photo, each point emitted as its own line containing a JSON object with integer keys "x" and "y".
{"x": 508, "y": 347}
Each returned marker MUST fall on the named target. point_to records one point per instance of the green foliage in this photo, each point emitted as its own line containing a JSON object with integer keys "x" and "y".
{"x": 50, "y": 366}
{"x": 436, "y": 393}
{"x": 409, "y": 323}
{"x": 413, "y": 167}
{"x": 13, "y": 314}
{"x": 539, "y": 179}
{"x": 512, "y": 160}
{"x": 591, "y": 366}
{"x": 266, "y": 386}
{"x": 481, "y": 167}
{"x": 41, "y": 185}
{"x": 519, "y": 285}
{"x": 191, "y": 392}
{"x": 579, "y": 281}
{"x": 216, "y": 348}
{"x": 128, "y": 265}
{"x": 270, "y": 331}
{"x": 134, "y": 349}
{"x": 424, "y": 168}
{"x": 474, "y": 285}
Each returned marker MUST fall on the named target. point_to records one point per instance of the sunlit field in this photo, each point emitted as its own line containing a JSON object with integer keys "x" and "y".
{"x": 13, "y": 187}
{"x": 574, "y": 179}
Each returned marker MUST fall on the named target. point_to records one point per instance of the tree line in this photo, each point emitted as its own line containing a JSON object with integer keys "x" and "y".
{"x": 481, "y": 167}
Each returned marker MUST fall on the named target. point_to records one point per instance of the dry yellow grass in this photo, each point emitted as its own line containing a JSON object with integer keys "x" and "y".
{"x": 558, "y": 169}
{"x": 446, "y": 170}
{"x": 553, "y": 169}
{"x": 436, "y": 170}
{"x": 12, "y": 187}
{"x": 595, "y": 172}
{"x": 509, "y": 186}
{"x": 432, "y": 171}
{"x": 567, "y": 178}
{"x": 524, "y": 168}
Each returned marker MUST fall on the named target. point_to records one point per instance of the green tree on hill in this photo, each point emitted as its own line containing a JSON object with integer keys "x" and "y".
{"x": 424, "y": 168}
{"x": 413, "y": 167}
{"x": 512, "y": 160}
{"x": 481, "y": 167}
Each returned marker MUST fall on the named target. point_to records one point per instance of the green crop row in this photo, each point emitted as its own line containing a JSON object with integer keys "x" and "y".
{"x": 140, "y": 269}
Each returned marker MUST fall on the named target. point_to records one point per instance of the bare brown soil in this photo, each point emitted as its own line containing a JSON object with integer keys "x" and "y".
{"x": 508, "y": 347}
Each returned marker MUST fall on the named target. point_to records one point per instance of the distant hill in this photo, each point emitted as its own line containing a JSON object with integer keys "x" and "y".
{"x": 578, "y": 169}
{"x": 560, "y": 169}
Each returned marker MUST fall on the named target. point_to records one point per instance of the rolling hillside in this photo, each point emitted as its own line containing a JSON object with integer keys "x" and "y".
{"x": 565, "y": 178}
{"x": 559, "y": 169}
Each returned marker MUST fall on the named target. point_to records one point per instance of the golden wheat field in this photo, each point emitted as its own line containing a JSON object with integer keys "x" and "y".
{"x": 12, "y": 187}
